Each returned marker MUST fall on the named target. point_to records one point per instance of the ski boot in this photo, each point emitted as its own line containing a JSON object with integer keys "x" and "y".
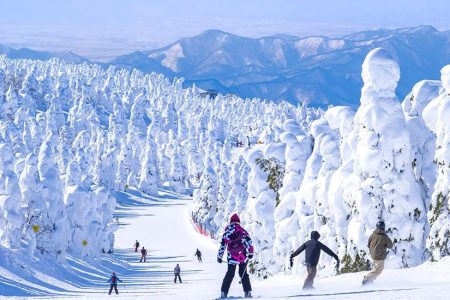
{"x": 365, "y": 281}
{"x": 248, "y": 295}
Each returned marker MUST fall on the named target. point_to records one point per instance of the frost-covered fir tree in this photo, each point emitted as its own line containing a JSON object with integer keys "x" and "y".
{"x": 149, "y": 175}
{"x": 298, "y": 148}
{"x": 123, "y": 166}
{"x": 383, "y": 184}
{"x": 9, "y": 105}
{"x": 236, "y": 200}
{"x": 106, "y": 204}
{"x": 195, "y": 162}
{"x": 12, "y": 218}
{"x": 163, "y": 159}
{"x": 423, "y": 141}
{"x": 177, "y": 174}
{"x": 77, "y": 200}
{"x": 244, "y": 171}
{"x": 265, "y": 179}
{"x": 340, "y": 119}
{"x": 52, "y": 239}
{"x": 107, "y": 115}
{"x": 222, "y": 194}
{"x": 29, "y": 93}
{"x": 205, "y": 199}
{"x": 436, "y": 117}
{"x": 35, "y": 207}
{"x": 326, "y": 159}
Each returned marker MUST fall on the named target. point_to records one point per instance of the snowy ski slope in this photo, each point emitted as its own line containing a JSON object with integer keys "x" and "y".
{"x": 162, "y": 226}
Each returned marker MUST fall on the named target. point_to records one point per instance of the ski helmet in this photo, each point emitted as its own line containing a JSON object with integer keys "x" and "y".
{"x": 381, "y": 225}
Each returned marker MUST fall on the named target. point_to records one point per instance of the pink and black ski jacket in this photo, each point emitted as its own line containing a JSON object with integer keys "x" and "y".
{"x": 238, "y": 243}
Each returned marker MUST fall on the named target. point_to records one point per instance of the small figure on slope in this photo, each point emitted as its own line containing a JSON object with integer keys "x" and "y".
{"x": 143, "y": 254}
{"x": 312, "y": 250}
{"x": 136, "y": 246}
{"x": 378, "y": 244}
{"x": 199, "y": 255}
{"x": 113, "y": 283}
{"x": 240, "y": 251}
{"x": 177, "y": 272}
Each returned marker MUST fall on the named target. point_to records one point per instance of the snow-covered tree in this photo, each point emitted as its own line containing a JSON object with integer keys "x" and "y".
{"x": 298, "y": 148}
{"x": 52, "y": 238}
{"x": 35, "y": 206}
{"x": 177, "y": 174}
{"x": 383, "y": 185}
{"x": 149, "y": 175}
{"x": 12, "y": 217}
{"x": 77, "y": 200}
{"x": 265, "y": 181}
{"x": 205, "y": 198}
{"x": 222, "y": 195}
{"x": 436, "y": 117}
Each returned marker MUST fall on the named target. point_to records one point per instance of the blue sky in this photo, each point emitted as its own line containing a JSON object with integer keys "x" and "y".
{"x": 154, "y": 23}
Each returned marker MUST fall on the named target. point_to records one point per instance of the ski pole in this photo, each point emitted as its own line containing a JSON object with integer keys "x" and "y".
{"x": 123, "y": 286}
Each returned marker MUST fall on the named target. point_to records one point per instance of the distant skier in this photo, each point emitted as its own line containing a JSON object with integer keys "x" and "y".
{"x": 177, "y": 272}
{"x": 136, "y": 246}
{"x": 143, "y": 254}
{"x": 378, "y": 244}
{"x": 113, "y": 283}
{"x": 199, "y": 255}
{"x": 312, "y": 253}
{"x": 240, "y": 251}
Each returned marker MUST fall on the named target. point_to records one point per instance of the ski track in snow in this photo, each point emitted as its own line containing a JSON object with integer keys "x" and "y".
{"x": 162, "y": 226}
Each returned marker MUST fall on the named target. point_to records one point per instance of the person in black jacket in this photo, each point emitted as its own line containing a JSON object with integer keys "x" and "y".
{"x": 198, "y": 253}
{"x": 143, "y": 254}
{"x": 177, "y": 272}
{"x": 312, "y": 250}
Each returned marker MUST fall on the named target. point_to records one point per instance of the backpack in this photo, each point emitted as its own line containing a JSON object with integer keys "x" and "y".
{"x": 235, "y": 247}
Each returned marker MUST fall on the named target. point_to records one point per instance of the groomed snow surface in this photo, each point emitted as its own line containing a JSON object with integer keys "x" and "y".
{"x": 162, "y": 225}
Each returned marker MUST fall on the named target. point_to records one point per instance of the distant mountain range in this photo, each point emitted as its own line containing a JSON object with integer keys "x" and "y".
{"x": 320, "y": 70}
{"x": 41, "y": 55}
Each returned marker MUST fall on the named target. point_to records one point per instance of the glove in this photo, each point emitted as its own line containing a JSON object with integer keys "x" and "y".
{"x": 219, "y": 260}
{"x": 250, "y": 256}
{"x": 291, "y": 261}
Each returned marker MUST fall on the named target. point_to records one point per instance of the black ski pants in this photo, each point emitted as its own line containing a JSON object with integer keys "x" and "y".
{"x": 111, "y": 287}
{"x": 175, "y": 279}
{"x": 230, "y": 275}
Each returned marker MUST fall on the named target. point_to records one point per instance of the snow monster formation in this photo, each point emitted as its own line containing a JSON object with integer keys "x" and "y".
{"x": 382, "y": 186}
{"x": 352, "y": 170}
{"x": 436, "y": 116}
{"x": 71, "y": 135}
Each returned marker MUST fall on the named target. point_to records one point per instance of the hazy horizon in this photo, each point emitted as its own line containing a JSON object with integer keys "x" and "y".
{"x": 106, "y": 28}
